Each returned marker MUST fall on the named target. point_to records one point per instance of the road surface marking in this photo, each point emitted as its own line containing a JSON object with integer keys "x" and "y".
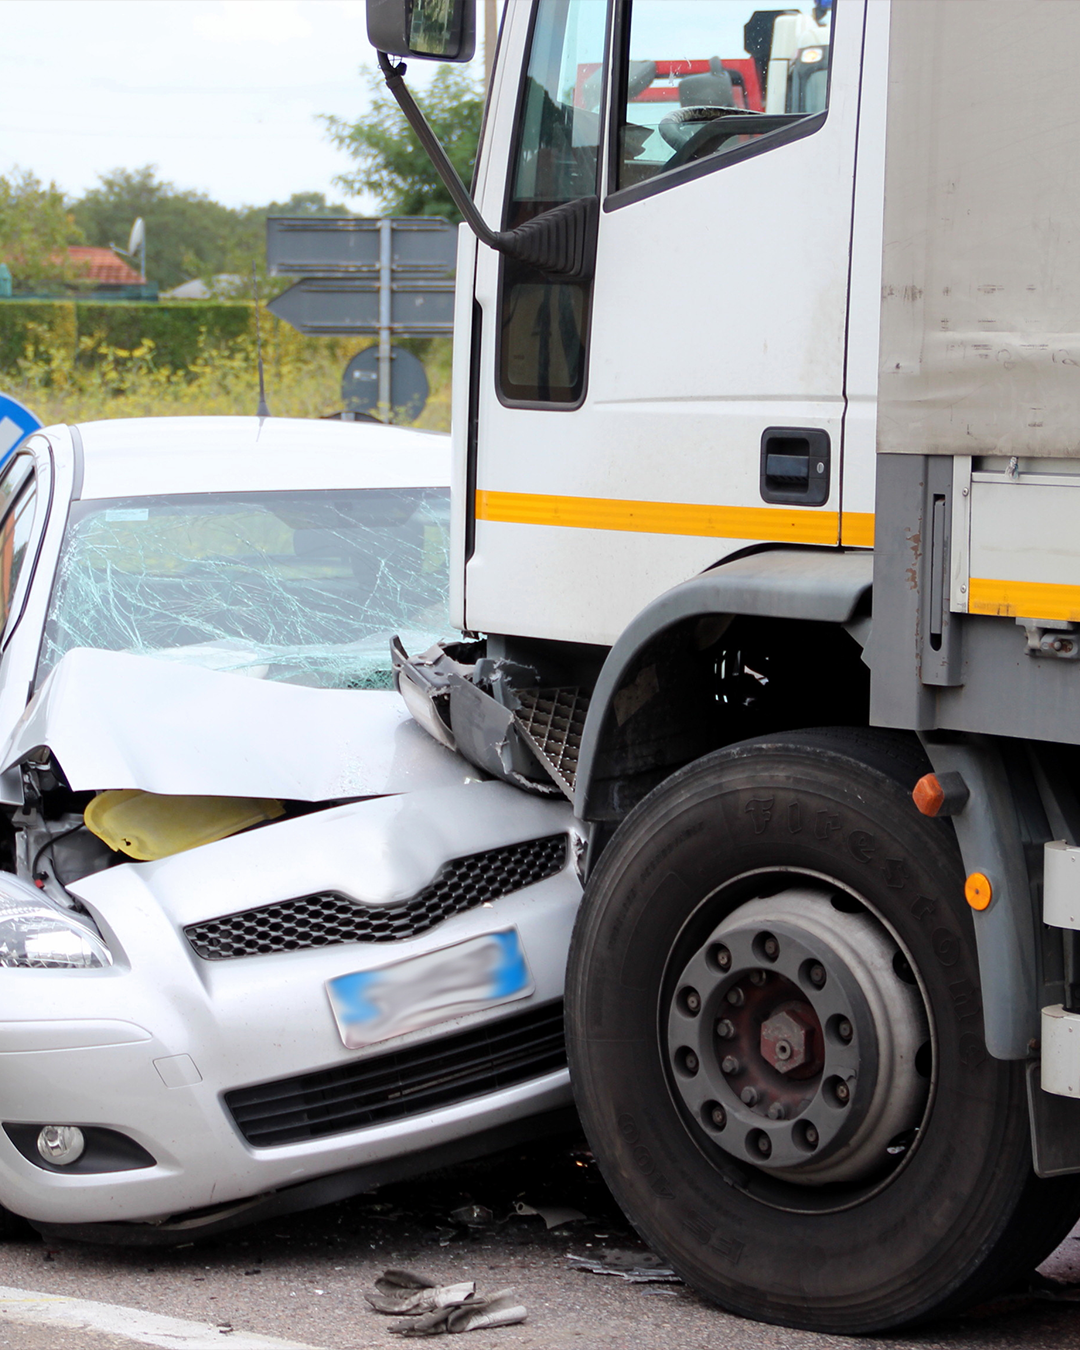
{"x": 171, "y": 1333}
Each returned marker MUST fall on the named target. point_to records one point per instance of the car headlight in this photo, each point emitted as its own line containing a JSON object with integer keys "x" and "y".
{"x": 38, "y": 934}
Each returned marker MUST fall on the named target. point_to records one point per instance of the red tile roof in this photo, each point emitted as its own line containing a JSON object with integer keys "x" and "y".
{"x": 102, "y": 265}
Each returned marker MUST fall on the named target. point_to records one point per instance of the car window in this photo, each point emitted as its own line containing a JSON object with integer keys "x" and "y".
{"x": 304, "y": 587}
{"x": 15, "y": 529}
{"x": 702, "y": 78}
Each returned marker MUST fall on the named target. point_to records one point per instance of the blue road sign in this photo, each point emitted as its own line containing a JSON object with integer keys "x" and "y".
{"x": 16, "y": 423}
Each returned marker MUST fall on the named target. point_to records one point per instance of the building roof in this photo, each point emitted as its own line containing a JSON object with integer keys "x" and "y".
{"x": 101, "y": 265}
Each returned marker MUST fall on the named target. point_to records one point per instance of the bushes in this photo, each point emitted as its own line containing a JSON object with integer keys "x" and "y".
{"x": 73, "y": 360}
{"x": 178, "y": 330}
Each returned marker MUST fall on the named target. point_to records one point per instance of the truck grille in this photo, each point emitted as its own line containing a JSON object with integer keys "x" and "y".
{"x": 436, "y": 1073}
{"x": 329, "y": 920}
{"x": 552, "y": 721}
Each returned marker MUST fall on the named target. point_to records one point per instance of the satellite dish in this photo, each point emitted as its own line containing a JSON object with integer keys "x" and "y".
{"x": 137, "y": 236}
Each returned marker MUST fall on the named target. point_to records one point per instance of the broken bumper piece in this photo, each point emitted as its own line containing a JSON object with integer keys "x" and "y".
{"x": 495, "y": 714}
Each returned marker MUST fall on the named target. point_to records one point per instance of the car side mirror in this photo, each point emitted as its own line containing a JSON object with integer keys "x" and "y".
{"x": 431, "y": 30}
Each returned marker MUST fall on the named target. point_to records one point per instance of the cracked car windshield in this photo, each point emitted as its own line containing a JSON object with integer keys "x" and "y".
{"x": 303, "y": 587}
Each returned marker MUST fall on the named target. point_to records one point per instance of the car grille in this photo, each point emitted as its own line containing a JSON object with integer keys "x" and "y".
{"x": 328, "y": 920}
{"x": 424, "y": 1077}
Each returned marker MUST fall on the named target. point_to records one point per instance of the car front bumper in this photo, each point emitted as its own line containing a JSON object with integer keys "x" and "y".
{"x": 152, "y": 1046}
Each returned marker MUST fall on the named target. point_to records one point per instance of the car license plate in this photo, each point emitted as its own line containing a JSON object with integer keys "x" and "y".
{"x": 376, "y": 1005}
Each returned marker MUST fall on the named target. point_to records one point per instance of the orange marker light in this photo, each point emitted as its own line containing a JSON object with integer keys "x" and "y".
{"x": 928, "y": 794}
{"x": 977, "y": 890}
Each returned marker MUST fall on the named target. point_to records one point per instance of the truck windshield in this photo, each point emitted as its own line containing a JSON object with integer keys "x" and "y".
{"x": 304, "y": 587}
{"x": 704, "y": 77}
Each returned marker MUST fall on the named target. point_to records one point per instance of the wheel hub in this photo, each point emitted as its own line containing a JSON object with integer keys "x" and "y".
{"x": 793, "y": 1035}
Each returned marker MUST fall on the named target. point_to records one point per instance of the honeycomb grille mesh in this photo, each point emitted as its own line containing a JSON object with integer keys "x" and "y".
{"x": 328, "y": 920}
{"x": 553, "y": 721}
{"x": 437, "y": 1072}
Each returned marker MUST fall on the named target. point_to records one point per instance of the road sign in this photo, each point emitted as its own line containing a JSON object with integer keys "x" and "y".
{"x": 353, "y": 306}
{"x": 318, "y": 246}
{"x": 386, "y": 276}
{"x": 16, "y": 423}
{"x": 408, "y": 384}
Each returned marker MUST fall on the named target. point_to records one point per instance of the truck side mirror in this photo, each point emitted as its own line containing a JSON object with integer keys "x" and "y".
{"x": 431, "y": 30}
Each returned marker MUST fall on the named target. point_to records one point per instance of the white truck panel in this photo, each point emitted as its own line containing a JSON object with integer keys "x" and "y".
{"x": 980, "y": 314}
{"x": 683, "y": 380}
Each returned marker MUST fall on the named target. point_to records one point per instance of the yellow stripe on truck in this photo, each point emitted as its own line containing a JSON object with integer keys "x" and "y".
{"x": 1023, "y": 599}
{"x": 798, "y": 525}
{"x": 857, "y": 529}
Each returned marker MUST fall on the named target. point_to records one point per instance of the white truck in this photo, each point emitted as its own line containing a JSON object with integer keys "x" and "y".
{"x": 767, "y": 417}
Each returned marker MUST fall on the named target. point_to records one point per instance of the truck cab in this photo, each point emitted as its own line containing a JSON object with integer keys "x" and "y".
{"x": 762, "y": 341}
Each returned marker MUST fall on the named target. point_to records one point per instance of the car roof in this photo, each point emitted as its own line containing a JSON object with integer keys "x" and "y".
{"x": 144, "y": 456}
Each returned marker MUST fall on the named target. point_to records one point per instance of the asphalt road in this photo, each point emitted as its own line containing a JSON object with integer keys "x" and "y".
{"x": 302, "y": 1279}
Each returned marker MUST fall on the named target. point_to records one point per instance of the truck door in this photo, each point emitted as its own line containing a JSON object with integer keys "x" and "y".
{"x": 688, "y": 400}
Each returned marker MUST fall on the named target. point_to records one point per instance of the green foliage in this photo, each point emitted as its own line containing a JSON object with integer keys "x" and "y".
{"x": 35, "y": 228}
{"x": 390, "y": 162}
{"x": 73, "y": 361}
{"x": 25, "y": 321}
{"x": 174, "y": 329}
{"x": 187, "y": 234}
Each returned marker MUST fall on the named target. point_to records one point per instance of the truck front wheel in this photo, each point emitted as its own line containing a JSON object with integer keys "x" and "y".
{"x": 776, "y": 1042}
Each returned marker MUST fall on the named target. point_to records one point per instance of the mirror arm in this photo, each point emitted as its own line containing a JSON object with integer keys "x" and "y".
{"x": 395, "y": 82}
{"x": 561, "y": 241}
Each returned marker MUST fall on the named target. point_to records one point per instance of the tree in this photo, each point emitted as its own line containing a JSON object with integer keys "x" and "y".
{"x": 390, "y": 162}
{"x": 187, "y": 234}
{"x": 36, "y": 226}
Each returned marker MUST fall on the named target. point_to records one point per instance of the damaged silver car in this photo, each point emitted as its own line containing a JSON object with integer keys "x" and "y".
{"x": 265, "y": 944}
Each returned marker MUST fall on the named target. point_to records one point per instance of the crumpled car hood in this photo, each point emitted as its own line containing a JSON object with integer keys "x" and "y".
{"x": 113, "y": 720}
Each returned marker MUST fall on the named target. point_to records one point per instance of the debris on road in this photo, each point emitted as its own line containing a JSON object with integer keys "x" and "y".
{"x": 554, "y": 1216}
{"x": 635, "y": 1267}
{"x": 402, "y": 1292}
{"x": 472, "y": 1216}
{"x": 436, "y": 1310}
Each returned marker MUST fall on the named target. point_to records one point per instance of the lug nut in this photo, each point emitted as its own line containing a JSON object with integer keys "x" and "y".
{"x": 690, "y": 1062}
{"x": 749, "y": 1095}
{"x": 771, "y": 947}
{"x": 736, "y": 997}
{"x": 758, "y": 977}
{"x": 843, "y": 1092}
{"x": 810, "y": 1135}
{"x": 729, "y": 1064}
{"x": 692, "y": 1000}
{"x": 817, "y": 974}
{"x": 722, "y": 957}
{"x": 845, "y": 1030}
{"x": 725, "y": 1029}
{"x": 718, "y": 1116}
{"x": 776, "y": 1111}
{"x": 763, "y": 1145}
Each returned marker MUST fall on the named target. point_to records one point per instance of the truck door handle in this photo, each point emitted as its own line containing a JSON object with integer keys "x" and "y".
{"x": 795, "y": 465}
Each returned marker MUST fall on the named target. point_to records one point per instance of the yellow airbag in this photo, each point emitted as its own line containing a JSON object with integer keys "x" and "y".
{"x": 147, "y": 825}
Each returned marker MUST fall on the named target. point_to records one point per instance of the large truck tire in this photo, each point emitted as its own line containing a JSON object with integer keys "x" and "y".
{"x": 776, "y": 1043}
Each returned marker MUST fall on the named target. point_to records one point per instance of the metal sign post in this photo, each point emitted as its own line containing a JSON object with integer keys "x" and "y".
{"x": 385, "y": 277}
{"x": 385, "y": 297}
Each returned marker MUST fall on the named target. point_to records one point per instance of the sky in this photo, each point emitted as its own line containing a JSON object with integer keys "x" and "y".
{"x": 224, "y": 96}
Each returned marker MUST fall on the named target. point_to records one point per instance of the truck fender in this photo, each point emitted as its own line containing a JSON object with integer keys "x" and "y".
{"x": 989, "y": 835}
{"x": 825, "y": 585}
